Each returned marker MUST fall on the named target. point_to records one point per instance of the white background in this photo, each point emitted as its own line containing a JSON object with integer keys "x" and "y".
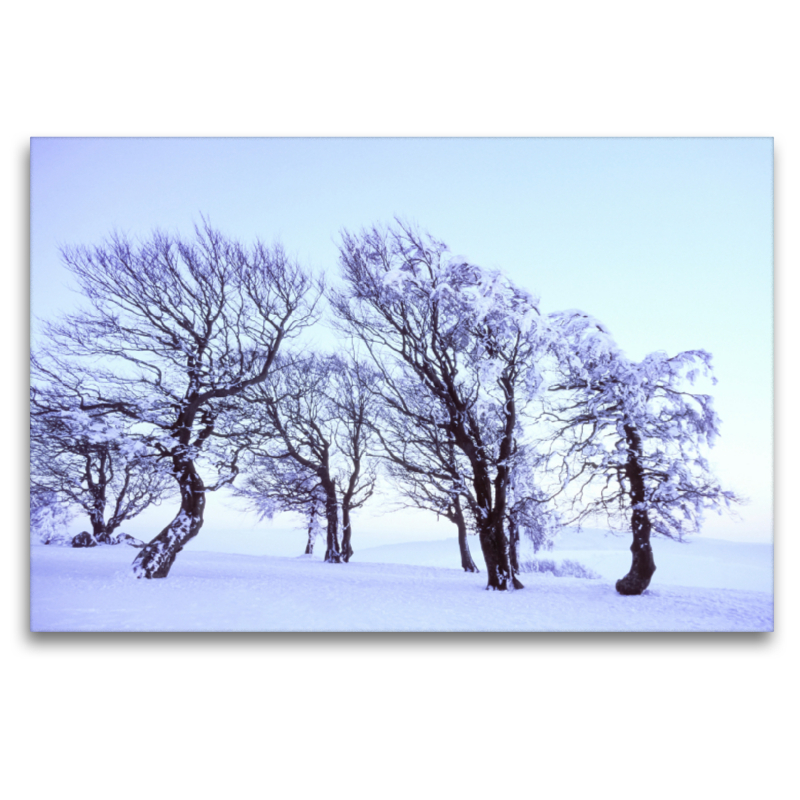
{"x": 393, "y": 716}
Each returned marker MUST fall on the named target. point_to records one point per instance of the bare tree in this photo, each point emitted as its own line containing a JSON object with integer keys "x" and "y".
{"x": 271, "y": 485}
{"x": 421, "y": 459}
{"x": 311, "y": 429}
{"x": 174, "y": 330}
{"x": 352, "y": 396}
{"x": 468, "y": 336}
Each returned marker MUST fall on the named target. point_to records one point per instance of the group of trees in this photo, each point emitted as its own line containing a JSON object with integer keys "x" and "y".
{"x": 186, "y": 371}
{"x": 312, "y": 424}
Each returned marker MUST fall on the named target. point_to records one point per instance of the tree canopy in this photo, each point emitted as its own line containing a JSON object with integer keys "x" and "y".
{"x": 189, "y": 364}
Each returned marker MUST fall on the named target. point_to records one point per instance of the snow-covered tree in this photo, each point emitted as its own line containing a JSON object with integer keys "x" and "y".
{"x": 468, "y": 337}
{"x": 627, "y": 439}
{"x": 273, "y": 485}
{"x": 531, "y": 513}
{"x": 88, "y": 461}
{"x": 50, "y": 517}
{"x": 311, "y": 427}
{"x": 175, "y": 328}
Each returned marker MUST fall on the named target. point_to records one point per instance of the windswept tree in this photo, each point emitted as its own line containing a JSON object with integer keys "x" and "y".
{"x": 272, "y": 485}
{"x": 87, "y": 461}
{"x": 469, "y": 338}
{"x": 421, "y": 460}
{"x": 352, "y": 397}
{"x": 626, "y": 440}
{"x": 174, "y": 330}
{"x": 532, "y": 516}
{"x": 311, "y": 427}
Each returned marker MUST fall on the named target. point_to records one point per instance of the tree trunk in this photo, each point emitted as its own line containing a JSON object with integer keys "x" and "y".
{"x": 332, "y": 552}
{"x": 513, "y": 545}
{"x": 491, "y": 534}
{"x": 494, "y": 545}
{"x": 347, "y": 548}
{"x": 111, "y": 526}
{"x": 642, "y": 565}
{"x": 494, "y": 542}
{"x": 157, "y": 557}
{"x": 98, "y": 510}
{"x": 312, "y": 529}
{"x": 467, "y": 564}
{"x": 99, "y": 529}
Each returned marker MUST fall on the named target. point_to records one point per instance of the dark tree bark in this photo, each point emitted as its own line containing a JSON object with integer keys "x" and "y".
{"x": 490, "y": 495}
{"x": 494, "y": 546}
{"x": 513, "y": 544}
{"x": 99, "y": 529}
{"x": 156, "y": 558}
{"x": 491, "y": 533}
{"x": 491, "y": 525}
{"x": 467, "y": 564}
{"x": 347, "y": 547}
{"x": 332, "y": 552}
{"x": 642, "y": 565}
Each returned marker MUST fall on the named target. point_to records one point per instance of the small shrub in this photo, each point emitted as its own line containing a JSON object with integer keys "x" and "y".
{"x": 561, "y": 569}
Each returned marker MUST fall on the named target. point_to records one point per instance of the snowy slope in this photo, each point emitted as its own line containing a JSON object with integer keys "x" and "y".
{"x": 92, "y": 590}
{"x": 709, "y": 563}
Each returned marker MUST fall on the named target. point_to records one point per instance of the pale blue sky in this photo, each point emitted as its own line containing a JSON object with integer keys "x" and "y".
{"x": 669, "y": 241}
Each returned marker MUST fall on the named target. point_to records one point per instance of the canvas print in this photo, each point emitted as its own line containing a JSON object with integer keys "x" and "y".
{"x": 446, "y": 385}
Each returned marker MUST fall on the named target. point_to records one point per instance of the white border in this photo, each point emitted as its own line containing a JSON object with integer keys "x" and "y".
{"x": 391, "y": 716}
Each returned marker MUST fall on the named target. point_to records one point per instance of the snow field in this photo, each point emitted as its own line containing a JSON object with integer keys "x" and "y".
{"x": 93, "y": 590}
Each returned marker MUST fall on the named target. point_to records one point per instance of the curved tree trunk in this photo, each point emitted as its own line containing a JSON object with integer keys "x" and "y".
{"x": 157, "y": 557}
{"x": 642, "y": 565}
{"x": 347, "y": 548}
{"x": 467, "y": 564}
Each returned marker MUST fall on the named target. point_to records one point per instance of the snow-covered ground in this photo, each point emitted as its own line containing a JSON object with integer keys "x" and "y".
{"x": 708, "y": 585}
